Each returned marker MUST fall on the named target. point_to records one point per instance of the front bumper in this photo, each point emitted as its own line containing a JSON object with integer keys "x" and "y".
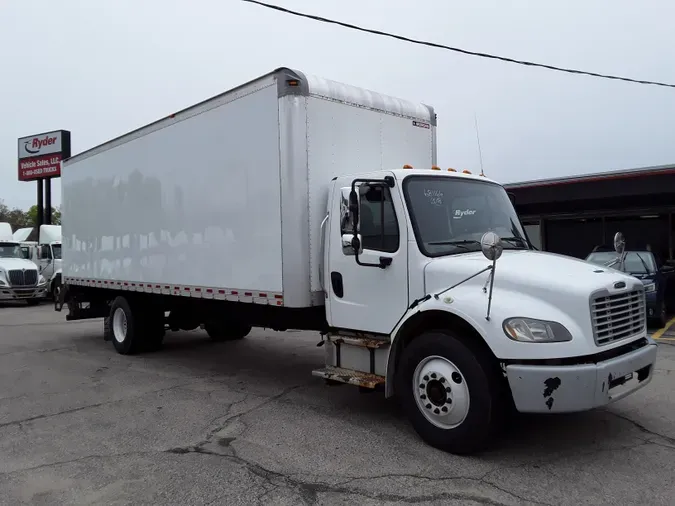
{"x": 23, "y": 293}
{"x": 571, "y": 388}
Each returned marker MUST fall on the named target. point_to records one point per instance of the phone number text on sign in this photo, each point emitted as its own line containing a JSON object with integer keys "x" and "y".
{"x": 39, "y": 167}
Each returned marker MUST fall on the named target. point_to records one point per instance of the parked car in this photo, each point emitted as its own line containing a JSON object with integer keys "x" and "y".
{"x": 657, "y": 277}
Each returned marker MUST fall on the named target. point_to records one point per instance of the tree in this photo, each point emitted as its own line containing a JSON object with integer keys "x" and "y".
{"x": 31, "y": 216}
{"x": 20, "y": 219}
{"x": 16, "y": 217}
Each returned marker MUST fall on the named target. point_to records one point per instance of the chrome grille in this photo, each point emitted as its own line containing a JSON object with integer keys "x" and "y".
{"x": 23, "y": 278}
{"x": 617, "y": 316}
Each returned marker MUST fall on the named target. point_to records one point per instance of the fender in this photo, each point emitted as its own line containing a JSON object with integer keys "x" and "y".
{"x": 428, "y": 306}
{"x": 57, "y": 273}
{"x": 56, "y": 276}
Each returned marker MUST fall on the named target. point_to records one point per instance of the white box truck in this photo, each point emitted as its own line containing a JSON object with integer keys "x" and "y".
{"x": 290, "y": 202}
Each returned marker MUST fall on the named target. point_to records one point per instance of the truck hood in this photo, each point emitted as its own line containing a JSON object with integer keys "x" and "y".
{"x": 9, "y": 264}
{"x": 533, "y": 272}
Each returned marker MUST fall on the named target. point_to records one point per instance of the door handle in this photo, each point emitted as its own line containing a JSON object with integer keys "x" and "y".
{"x": 336, "y": 283}
{"x": 385, "y": 262}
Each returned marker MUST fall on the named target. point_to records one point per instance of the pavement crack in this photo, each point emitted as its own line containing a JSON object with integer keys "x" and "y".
{"x": 309, "y": 491}
{"x": 642, "y": 428}
{"x": 38, "y": 350}
{"x": 443, "y": 479}
{"x": 75, "y": 460}
{"x": 82, "y": 408}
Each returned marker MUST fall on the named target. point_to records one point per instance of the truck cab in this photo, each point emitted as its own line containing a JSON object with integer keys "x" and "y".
{"x": 45, "y": 252}
{"x": 19, "y": 277}
{"x": 434, "y": 292}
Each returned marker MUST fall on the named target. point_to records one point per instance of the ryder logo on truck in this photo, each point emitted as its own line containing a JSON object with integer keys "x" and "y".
{"x": 459, "y": 214}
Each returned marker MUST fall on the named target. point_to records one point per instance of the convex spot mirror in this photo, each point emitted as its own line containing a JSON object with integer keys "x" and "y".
{"x": 491, "y": 246}
{"x": 619, "y": 243}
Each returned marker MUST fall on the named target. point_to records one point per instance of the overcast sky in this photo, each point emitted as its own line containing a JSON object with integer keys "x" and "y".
{"x": 100, "y": 68}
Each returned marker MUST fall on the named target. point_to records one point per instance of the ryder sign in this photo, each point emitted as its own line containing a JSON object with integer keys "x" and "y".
{"x": 40, "y": 155}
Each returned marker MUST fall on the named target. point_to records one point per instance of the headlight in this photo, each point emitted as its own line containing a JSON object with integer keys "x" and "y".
{"x": 41, "y": 280}
{"x": 529, "y": 330}
{"x": 650, "y": 287}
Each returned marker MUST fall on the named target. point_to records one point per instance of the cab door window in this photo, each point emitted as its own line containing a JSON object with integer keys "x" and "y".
{"x": 378, "y": 225}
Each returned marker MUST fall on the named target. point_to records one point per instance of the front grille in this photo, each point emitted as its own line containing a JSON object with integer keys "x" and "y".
{"x": 23, "y": 278}
{"x": 617, "y": 316}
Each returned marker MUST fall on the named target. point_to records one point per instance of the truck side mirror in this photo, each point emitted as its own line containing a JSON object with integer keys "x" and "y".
{"x": 349, "y": 221}
{"x": 352, "y": 244}
{"x": 354, "y": 206}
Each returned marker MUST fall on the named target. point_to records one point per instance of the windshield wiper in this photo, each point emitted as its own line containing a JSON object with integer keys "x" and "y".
{"x": 644, "y": 264}
{"x": 461, "y": 243}
{"x": 515, "y": 240}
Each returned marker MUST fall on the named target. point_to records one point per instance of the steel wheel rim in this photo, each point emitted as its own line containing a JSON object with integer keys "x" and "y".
{"x": 441, "y": 392}
{"x": 119, "y": 325}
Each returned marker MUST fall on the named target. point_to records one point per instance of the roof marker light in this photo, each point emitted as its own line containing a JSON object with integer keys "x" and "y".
{"x": 466, "y": 171}
{"x": 435, "y": 167}
{"x": 406, "y": 166}
{"x": 452, "y": 170}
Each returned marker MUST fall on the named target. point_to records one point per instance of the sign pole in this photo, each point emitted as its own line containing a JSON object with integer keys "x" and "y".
{"x": 40, "y": 204}
{"x": 48, "y": 201}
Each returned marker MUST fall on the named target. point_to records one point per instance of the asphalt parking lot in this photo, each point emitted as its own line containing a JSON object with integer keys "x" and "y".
{"x": 246, "y": 423}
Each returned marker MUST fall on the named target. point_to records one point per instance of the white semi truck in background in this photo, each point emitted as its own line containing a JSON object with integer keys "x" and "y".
{"x": 45, "y": 253}
{"x": 295, "y": 202}
{"x": 20, "y": 279}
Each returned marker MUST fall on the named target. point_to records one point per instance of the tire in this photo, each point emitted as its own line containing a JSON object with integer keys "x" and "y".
{"x": 221, "y": 331}
{"x": 107, "y": 329}
{"x": 440, "y": 378}
{"x": 56, "y": 289}
{"x": 662, "y": 318}
{"x": 124, "y": 326}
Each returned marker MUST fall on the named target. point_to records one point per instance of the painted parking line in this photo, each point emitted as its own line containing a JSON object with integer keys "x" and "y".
{"x": 660, "y": 332}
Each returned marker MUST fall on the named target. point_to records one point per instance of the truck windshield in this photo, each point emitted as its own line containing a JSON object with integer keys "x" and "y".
{"x": 56, "y": 251}
{"x": 450, "y": 215}
{"x": 637, "y": 262}
{"x": 10, "y": 250}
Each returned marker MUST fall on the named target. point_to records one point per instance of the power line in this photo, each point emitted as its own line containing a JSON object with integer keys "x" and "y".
{"x": 455, "y": 49}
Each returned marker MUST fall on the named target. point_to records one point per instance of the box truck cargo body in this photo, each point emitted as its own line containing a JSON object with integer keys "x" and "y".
{"x": 295, "y": 202}
{"x": 227, "y": 198}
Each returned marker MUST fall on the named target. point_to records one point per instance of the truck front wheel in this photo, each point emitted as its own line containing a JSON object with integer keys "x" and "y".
{"x": 450, "y": 394}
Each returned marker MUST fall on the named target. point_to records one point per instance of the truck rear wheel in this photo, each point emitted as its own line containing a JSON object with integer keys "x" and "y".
{"x": 450, "y": 394}
{"x": 123, "y": 326}
{"x": 222, "y": 331}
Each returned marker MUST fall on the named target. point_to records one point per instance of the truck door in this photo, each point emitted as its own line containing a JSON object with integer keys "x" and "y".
{"x": 367, "y": 291}
{"x": 46, "y": 261}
